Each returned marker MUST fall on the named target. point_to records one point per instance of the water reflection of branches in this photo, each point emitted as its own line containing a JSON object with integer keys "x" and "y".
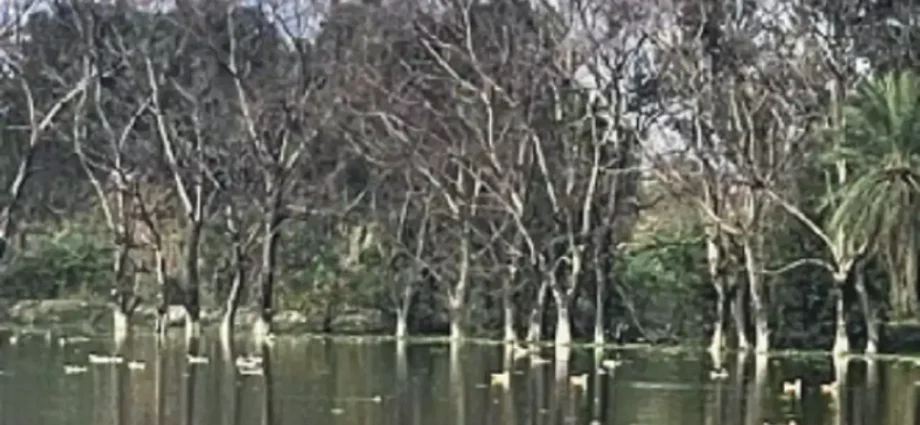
{"x": 839, "y": 394}
{"x": 230, "y": 392}
{"x": 457, "y": 383}
{"x": 757, "y": 388}
{"x": 268, "y": 389}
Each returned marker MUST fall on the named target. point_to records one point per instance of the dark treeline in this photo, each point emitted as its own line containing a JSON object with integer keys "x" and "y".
{"x": 713, "y": 171}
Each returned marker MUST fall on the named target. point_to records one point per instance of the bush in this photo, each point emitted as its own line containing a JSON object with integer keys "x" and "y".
{"x": 68, "y": 265}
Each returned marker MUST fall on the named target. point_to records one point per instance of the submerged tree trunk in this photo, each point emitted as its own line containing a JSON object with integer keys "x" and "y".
{"x": 124, "y": 301}
{"x": 535, "y": 322}
{"x": 192, "y": 281}
{"x": 600, "y": 297}
{"x": 402, "y": 322}
{"x": 563, "y": 321}
{"x": 263, "y": 326}
{"x": 739, "y": 311}
{"x": 163, "y": 301}
{"x": 509, "y": 335}
{"x": 457, "y": 294}
{"x": 841, "y": 339}
{"x": 714, "y": 265}
{"x": 601, "y": 279}
{"x": 865, "y": 304}
{"x": 239, "y": 275}
{"x": 752, "y": 259}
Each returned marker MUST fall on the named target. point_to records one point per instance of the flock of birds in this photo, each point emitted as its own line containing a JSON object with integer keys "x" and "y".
{"x": 249, "y": 365}
{"x": 503, "y": 379}
{"x": 253, "y": 366}
{"x": 791, "y": 389}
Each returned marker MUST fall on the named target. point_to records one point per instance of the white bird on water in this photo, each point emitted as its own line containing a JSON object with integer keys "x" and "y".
{"x": 100, "y": 359}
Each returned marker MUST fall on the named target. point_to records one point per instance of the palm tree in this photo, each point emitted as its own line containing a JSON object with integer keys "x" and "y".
{"x": 880, "y": 203}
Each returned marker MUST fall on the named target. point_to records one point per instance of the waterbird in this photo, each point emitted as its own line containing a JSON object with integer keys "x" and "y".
{"x": 248, "y": 362}
{"x": 536, "y": 360}
{"x": 718, "y": 374}
{"x": 73, "y": 369}
{"x": 251, "y": 371}
{"x": 518, "y": 352}
{"x": 64, "y": 340}
{"x": 502, "y": 379}
{"x": 195, "y": 359}
{"x": 830, "y": 388}
{"x": 100, "y": 359}
{"x": 137, "y": 365}
{"x": 611, "y": 363}
{"x": 793, "y": 388}
{"x": 14, "y": 339}
{"x": 579, "y": 381}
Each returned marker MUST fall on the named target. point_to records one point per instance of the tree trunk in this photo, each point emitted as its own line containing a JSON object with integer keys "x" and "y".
{"x": 163, "y": 301}
{"x": 563, "y": 319}
{"x": 841, "y": 339}
{"x": 123, "y": 301}
{"x": 718, "y": 329}
{"x": 600, "y": 292}
{"x": 457, "y": 296}
{"x": 192, "y": 281}
{"x": 233, "y": 297}
{"x": 5, "y": 224}
{"x": 868, "y": 312}
{"x": 535, "y": 322}
{"x": 402, "y": 322}
{"x": 509, "y": 335}
{"x": 752, "y": 259}
{"x": 262, "y": 328}
{"x": 739, "y": 312}
{"x": 714, "y": 265}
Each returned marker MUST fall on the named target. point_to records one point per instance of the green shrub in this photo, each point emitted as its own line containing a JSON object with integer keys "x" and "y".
{"x": 67, "y": 265}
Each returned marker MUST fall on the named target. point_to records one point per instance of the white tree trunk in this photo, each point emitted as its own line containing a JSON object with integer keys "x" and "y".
{"x": 599, "y": 297}
{"x": 261, "y": 331}
{"x": 192, "y": 330}
{"x": 841, "y": 339}
{"x": 509, "y": 335}
{"x": 868, "y": 312}
{"x": 563, "y": 322}
{"x": 120, "y": 326}
{"x": 402, "y": 325}
{"x": 755, "y": 283}
{"x": 225, "y": 330}
{"x": 718, "y": 334}
{"x": 535, "y": 324}
{"x": 738, "y": 315}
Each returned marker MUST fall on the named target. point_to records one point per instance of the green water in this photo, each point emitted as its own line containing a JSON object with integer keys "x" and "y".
{"x": 348, "y": 382}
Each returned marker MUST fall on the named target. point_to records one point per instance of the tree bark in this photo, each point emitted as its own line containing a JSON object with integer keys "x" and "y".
{"x": 457, "y": 296}
{"x": 841, "y": 339}
{"x": 865, "y": 304}
{"x": 163, "y": 301}
{"x": 563, "y": 319}
{"x": 123, "y": 301}
{"x": 739, "y": 312}
{"x": 509, "y": 335}
{"x": 239, "y": 275}
{"x": 402, "y": 322}
{"x": 535, "y": 322}
{"x": 752, "y": 259}
{"x": 714, "y": 263}
{"x": 600, "y": 290}
{"x": 192, "y": 281}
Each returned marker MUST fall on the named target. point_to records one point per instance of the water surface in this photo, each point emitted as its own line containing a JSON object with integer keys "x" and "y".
{"x": 361, "y": 382}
